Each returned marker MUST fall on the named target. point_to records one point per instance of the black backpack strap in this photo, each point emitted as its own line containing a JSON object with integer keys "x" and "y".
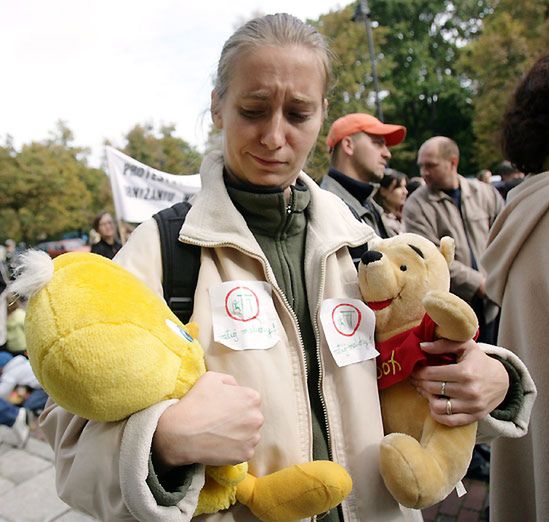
{"x": 356, "y": 252}
{"x": 180, "y": 261}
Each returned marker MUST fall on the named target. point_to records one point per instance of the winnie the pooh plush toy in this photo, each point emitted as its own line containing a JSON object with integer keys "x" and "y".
{"x": 405, "y": 280}
{"x": 104, "y": 346}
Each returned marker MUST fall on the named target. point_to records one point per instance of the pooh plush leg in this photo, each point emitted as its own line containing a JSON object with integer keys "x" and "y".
{"x": 296, "y": 492}
{"x": 420, "y": 474}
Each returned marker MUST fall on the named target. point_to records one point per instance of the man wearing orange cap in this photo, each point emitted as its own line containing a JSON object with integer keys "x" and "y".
{"x": 359, "y": 145}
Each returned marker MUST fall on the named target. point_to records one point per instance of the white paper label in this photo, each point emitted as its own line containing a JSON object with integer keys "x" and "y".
{"x": 460, "y": 489}
{"x": 414, "y": 515}
{"x": 244, "y": 316}
{"x": 349, "y": 329}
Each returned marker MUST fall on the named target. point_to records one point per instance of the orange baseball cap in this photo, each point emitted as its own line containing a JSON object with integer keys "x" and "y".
{"x": 361, "y": 122}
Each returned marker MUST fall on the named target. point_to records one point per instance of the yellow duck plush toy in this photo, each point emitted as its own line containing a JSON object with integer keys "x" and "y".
{"x": 104, "y": 346}
{"x": 405, "y": 280}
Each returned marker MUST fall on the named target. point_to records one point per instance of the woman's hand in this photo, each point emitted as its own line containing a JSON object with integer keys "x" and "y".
{"x": 216, "y": 423}
{"x": 464, "y": 392}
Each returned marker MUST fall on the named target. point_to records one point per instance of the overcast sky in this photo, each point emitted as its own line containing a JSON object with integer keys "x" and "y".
{"x": 104, "y": 65}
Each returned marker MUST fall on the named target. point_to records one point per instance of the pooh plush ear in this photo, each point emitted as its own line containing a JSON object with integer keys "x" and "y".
{"x": 447, "y": 249}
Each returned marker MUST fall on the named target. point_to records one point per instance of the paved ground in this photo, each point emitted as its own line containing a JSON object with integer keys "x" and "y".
{"x": 469, "y": 508}
{"x": 27, "y": 489}
{"x": 27, "y": 484}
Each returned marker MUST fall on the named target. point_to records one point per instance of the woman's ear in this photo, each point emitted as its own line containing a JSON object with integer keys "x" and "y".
{"x": 215, "y": 109}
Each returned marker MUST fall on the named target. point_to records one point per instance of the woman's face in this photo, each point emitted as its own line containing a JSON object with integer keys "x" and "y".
{"x": 395, "y": 196}
{"x": 271, "y": 114}
{"x": 106, "y": 227}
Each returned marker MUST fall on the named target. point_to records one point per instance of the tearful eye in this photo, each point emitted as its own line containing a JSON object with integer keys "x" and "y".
{"x": 403, "y": 268}
{"x": 175, "y": 328}
{"x": 250, "y": 114}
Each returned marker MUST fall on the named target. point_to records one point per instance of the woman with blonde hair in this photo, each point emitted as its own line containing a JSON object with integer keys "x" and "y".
{"x": 280, "y": 398}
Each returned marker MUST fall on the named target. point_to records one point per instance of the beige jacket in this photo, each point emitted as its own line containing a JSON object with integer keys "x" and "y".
{"x": 516, "y": 261}
{"x": 101, "y": 468}
{"x": 433, "y": 214}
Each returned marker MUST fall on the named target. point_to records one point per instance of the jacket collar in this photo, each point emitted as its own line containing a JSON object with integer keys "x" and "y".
{"x": 362, "y": 209}
{"x": 358, "y": 189}
{"x": 213, "y": 219}
{"x": 438, "y": 195}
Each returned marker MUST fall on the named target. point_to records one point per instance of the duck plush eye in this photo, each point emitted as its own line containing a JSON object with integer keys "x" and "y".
{"x": 175, "y": 328}
{"x": 403, "y": 268}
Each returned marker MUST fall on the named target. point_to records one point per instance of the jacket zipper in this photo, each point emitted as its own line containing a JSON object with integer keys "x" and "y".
{"x": 316, "y": 330}
{"x": 319, "y": 358}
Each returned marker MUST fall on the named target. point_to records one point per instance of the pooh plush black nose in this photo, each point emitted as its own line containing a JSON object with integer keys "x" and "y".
{"x": 370, "y": 256}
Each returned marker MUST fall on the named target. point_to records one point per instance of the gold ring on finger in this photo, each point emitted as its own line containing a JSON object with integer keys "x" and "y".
{"x": 448, "y": 407}
{"x": 442, "y": 388}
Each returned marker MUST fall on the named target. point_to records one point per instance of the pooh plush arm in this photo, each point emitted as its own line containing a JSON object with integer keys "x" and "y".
{"x": 104, "y": 346}
{"x": 454, "y": 318}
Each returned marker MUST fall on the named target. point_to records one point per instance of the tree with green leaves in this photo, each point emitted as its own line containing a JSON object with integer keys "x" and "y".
{"x": 162, "y": 150}
{"x": 514, "y": 36}
{"x": 417, "y": 44}
{"x": 48, "y": 188}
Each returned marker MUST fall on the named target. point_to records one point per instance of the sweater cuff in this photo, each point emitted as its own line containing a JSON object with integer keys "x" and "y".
{"x": 514, "y": 399}
{"x": 141, "y": 488}
{"x": 170, "y": 488}
{"x": 521, "y": 395}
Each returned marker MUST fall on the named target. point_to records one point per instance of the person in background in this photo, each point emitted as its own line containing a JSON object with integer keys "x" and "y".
{"x": 11, "y": 250}
{"x": 126, "y": 230}
{"x": 108, "y": 245}
{"x": 17, "y": 374}
{"x": 359, "y": 145}
{"x": 462, "y": 208}
{"x": 390, "y": 196}
{"x": 260, "y": 219}
{"x": 94, "y": 237}
{"x": 3, "y": 306}
{"x": 516, "y": 261}
{"x": 15, "y": 326}
{"x": 510, "y": 177}
{"x": 413, "y": 184}
{"x": 484, "y": 175}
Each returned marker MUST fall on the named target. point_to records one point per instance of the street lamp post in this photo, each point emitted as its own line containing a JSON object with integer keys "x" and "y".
{"x": 362, "y": 12}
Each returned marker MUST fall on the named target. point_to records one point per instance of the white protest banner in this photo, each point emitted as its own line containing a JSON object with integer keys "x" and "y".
{"x": 140, "y": 191}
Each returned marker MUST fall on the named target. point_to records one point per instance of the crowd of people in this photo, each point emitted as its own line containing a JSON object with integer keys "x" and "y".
{"x": 22, "y": 397}
{"x": 259, "y": 218}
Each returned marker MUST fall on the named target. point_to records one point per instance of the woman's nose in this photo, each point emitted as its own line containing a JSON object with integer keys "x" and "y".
{"x": 273, "y": 136}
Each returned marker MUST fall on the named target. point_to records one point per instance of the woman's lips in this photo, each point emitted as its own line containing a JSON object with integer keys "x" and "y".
{"x": 268, "y": 163}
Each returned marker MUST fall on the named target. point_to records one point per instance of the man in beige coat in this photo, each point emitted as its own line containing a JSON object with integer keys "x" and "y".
{"x": 451, "y": 205}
